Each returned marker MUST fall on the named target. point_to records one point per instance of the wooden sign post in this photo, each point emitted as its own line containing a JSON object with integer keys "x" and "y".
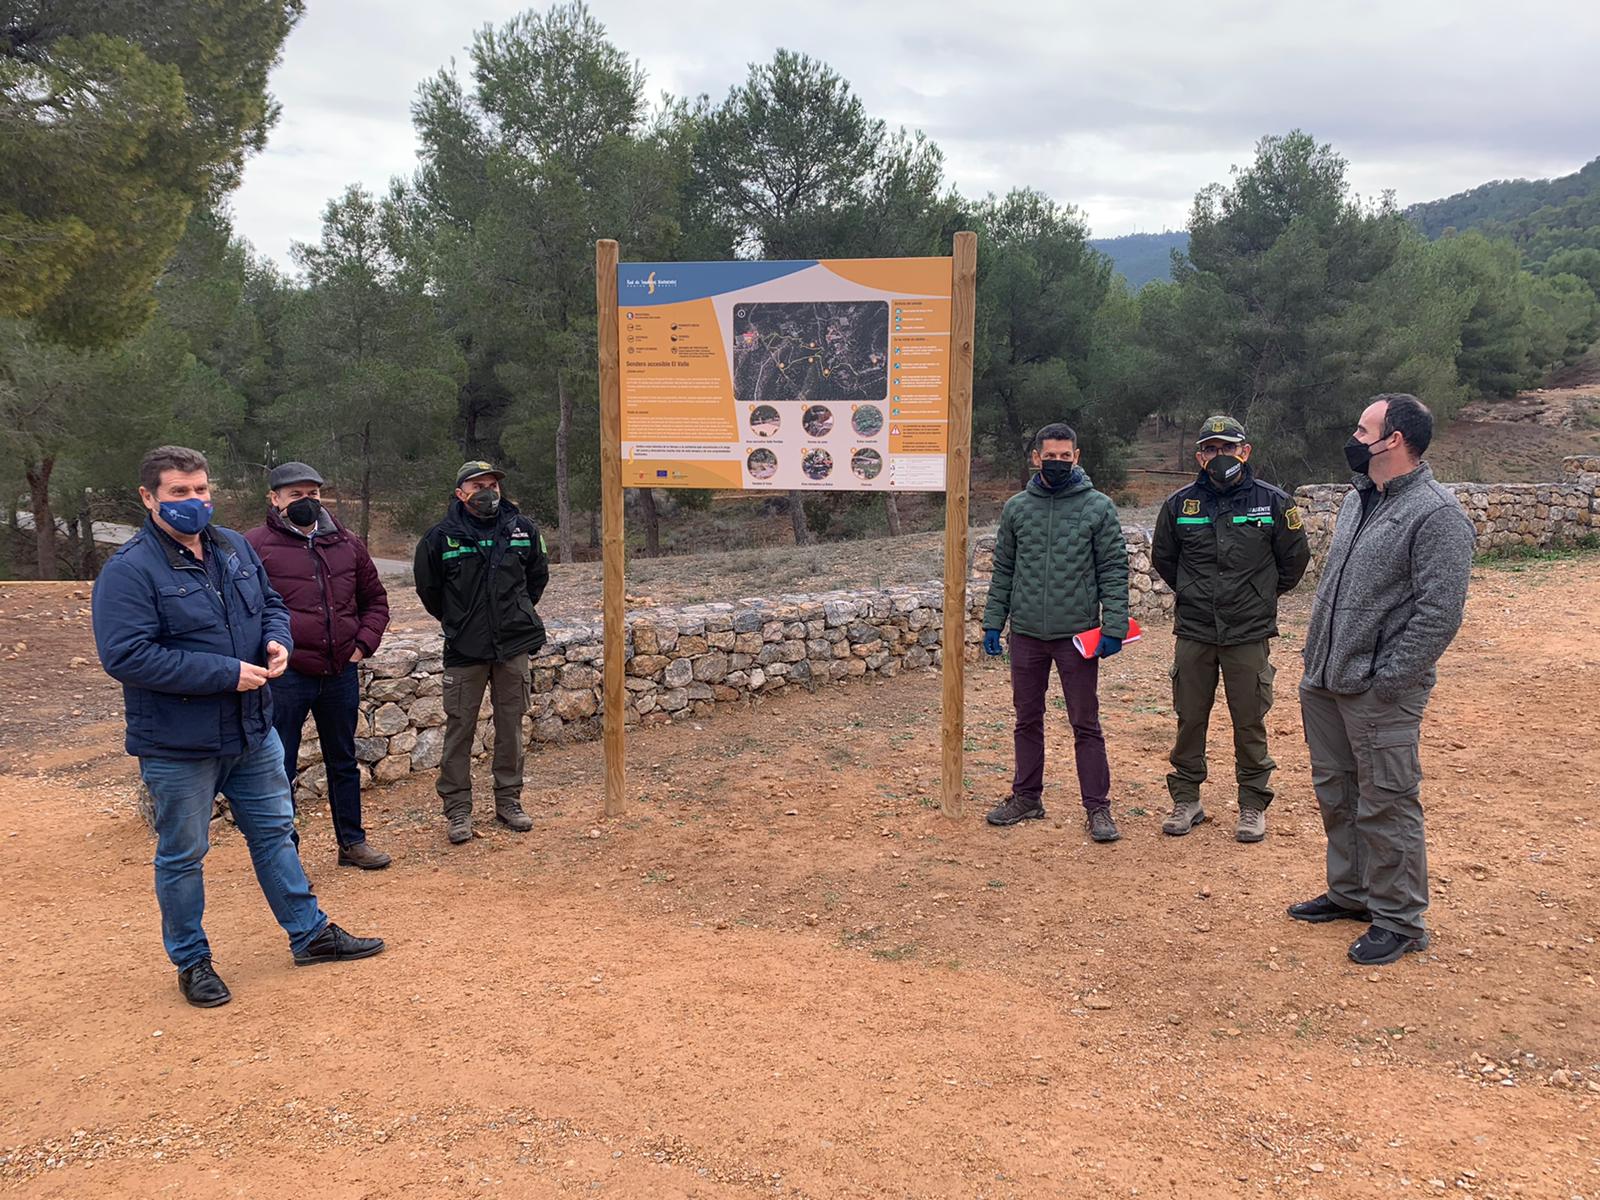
{"x": 957, "y": 476}
{"x": 613, "y": 562}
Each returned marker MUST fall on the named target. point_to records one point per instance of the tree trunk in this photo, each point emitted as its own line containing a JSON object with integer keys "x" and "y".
{"x": 563, "y": 497}
{"x": 90, "y": 565}
{"x": 891, "y": 510}
{"x": 594, "y": 530}
{"x": 1014, "y": 424}
{"x": 44, "y": 519}
{"x": 366, "y": 483}
{"x": 797, "y": 516}
{"x": 652, "y": 522}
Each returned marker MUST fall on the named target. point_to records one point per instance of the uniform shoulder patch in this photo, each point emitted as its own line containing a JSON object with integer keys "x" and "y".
{"x": 1293, "y": 519}
{"x": 1191, "y": 507}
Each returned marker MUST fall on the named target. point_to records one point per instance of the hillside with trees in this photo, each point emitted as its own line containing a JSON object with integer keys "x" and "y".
{"x": 1143, "y": 258}
{"x": 453, "y": 315}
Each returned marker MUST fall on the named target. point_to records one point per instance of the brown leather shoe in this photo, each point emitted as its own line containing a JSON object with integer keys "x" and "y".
{"x": 364, "y": 856}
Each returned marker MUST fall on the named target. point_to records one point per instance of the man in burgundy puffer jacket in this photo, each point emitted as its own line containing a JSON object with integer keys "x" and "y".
{"x": 338, "y": 611}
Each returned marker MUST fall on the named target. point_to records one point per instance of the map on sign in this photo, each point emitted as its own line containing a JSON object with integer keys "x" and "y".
{"x": 805, "y": 351}
{"x": 816, "y": 375}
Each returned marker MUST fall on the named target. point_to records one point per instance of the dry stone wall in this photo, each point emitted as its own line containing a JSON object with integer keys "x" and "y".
{"x": 1504, "y": 514}
{"x": 683, "y": 663}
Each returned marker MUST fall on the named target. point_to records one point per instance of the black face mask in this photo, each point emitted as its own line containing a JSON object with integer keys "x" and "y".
{"x": 1224, "y": 471}
{"x": 1054, "y": 472}
{"x": 485, "y": 503}
{"x": 1360, "y": 455}
{"x": 303, "y": 512}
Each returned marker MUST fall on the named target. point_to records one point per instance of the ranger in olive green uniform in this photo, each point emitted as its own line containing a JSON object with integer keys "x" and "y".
{"x": 1228, "y": 545}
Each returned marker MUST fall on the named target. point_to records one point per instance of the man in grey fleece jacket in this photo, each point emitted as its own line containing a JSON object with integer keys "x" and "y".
{"x": 1390, "y": 600}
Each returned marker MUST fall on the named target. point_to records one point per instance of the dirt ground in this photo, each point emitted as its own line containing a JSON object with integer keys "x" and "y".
{"x": 785, "y": 973}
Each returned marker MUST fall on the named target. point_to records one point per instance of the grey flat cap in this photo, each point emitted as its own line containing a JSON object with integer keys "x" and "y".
{"x": 292, "y": 472}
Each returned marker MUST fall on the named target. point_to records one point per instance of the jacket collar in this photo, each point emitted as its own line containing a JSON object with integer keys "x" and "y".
{"x": 327, "y": 525}
{"x": 1078, "y": 481}
{"x": 1421, "y": 473}
{"x": 1245, "y": 480}
{"x": 461, "y": 518}
{"x": 178, "y": 556}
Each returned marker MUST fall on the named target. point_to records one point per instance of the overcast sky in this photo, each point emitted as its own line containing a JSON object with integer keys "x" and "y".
{"x": 1122, "y": 109}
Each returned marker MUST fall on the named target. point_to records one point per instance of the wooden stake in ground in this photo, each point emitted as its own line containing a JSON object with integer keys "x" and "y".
{"x": 612, "y": 560}
{"x": 957, "y": 474}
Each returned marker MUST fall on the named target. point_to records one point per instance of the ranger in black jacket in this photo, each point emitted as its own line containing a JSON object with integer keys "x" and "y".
{"x": 1228, "y": 545}
{"x": 481, "y": 572}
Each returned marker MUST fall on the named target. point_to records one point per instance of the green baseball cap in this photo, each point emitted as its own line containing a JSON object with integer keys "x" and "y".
{"x": 471, "y": 470}
{"x": 1220, "y": 428}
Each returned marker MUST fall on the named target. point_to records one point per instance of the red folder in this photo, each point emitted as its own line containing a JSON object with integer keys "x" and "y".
{"x": 1088, "y": 641}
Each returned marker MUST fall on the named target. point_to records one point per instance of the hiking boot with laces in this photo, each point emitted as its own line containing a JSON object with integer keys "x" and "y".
{"x": 1252, "y": 825}
{"x": 1102, "y": 826}
{"x": 1015, "y": 808}
{"x": 460, "y": 829}
{"x": 1185, "y": 815}
{"x": 512, "y": 817}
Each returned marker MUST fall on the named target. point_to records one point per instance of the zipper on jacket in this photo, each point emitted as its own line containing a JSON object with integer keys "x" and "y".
{"x": 1365, "y": 523}
{"x": 319, "y": 572}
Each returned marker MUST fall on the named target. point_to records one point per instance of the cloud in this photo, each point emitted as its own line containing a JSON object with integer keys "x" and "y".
{"x": 1124, "y": 111}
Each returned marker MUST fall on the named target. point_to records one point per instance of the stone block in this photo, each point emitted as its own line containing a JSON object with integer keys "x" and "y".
{"x": 673, "y": 699}
{"x": 391, "y": 769}
{"x": 389, "y": 719}
{"x": 384, "y": 689}
{"x": 678, "y": 673}
{"x": 572, "y": 704}
{"x": 427, "y": 711}
{"x": 711, "y": 668}
{"x": 429, "y": 750}
{"x": 391, "y": 662}
{"x": 577, "y": 675}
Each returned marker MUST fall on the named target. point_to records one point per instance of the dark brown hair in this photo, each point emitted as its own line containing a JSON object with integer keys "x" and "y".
{"x": 169, "y": 458}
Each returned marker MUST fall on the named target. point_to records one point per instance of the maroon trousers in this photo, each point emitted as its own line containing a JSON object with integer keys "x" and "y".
{"x": 1031, "y": 659}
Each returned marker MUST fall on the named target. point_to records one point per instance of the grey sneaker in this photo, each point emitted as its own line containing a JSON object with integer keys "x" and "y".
{"x": 461, "y": 828}
{"x": 1102, "y": 826}
{"x": 512, "y": 817}
{"x": 1252, "y": 825}
{"x": 1015, "y": 808}
{"x": 1185, "y": 815}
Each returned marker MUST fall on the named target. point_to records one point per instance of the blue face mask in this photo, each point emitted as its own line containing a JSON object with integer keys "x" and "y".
{"x": 185, "y": 516}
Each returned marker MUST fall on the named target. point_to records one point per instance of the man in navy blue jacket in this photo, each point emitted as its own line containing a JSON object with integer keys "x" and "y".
{"x": 185, "y": 620}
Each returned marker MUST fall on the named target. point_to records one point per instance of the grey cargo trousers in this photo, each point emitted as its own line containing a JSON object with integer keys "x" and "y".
{"x": 508, "y": 684}
{"x": 1367, "y": 772}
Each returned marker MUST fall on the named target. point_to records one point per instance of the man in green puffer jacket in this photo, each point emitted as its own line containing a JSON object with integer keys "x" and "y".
{"x": 1060, "y": 569}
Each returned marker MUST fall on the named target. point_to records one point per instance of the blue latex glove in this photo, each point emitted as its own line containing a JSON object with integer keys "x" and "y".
{"x": 991, "y": 642}
{"x": 1108, "y": 646}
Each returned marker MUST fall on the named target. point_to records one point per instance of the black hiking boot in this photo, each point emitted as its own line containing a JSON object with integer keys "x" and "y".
{"x": 1015, "y": 808}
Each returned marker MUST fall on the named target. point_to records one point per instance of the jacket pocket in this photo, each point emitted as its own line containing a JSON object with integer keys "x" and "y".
{"x": 1396, "y": 760}
{"x": 185, "y": 607}
{"x": 248, "y": 584}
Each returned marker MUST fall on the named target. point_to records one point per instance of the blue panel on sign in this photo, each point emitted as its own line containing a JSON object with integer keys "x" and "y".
{"x": 640, "y": 285}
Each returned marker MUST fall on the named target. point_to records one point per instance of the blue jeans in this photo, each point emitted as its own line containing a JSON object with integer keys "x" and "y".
{"x": 334, "y": 702}
{"x": 258, "y": 793}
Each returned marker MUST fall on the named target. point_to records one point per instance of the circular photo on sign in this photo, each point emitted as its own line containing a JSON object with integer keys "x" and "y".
{"x": 817, "y": 420}
{"x": 762, "y": 464}
{"x": 867, "y": 420}
{"x": 817, "y": 464}
{"x": 866, "y": 464}
{"x": 764, "y": 420}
